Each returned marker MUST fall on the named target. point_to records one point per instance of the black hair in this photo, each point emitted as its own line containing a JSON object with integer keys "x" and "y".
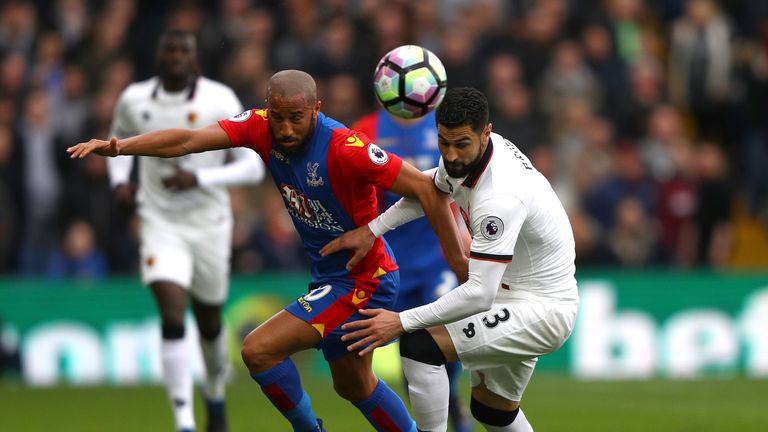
{"x": 463, "y": 106}
{"x": 177, "y": 33}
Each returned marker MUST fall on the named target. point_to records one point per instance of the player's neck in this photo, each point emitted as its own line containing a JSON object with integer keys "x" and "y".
{"x": 176, "y": 84}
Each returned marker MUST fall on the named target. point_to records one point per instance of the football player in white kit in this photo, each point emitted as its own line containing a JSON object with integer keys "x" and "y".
{"x": 186, "y": 220}
{"x": 521, "y": 299}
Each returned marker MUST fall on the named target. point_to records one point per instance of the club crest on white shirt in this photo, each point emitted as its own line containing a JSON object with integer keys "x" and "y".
{"x": 377, "y": 155}
{"x": 492, "y": 227}
{"x": 243, "y": 116}
{"x": 313, "y": 179}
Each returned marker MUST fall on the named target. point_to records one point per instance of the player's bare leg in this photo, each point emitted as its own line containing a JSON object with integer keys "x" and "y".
{"x": 424, "y": 354}
{"x": 266, "y": 352}
{"x": 215, "y": 349}
{"x": 354, "y": 380}
{"x": 496, "y": 413}
{"x": 177, "y": 374}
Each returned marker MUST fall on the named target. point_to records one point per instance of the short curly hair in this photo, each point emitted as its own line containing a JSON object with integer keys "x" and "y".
{"x": 463, "y": 106}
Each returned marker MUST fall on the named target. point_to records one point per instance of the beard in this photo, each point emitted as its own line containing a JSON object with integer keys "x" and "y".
{"x": 287, "y": 146}
{"x": 460, "y": 169}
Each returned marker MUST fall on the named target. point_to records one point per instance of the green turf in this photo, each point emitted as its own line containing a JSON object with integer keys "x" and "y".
{"x": 552, "y": 404}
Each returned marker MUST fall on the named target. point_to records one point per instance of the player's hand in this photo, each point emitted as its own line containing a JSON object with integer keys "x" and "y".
{"x": 383, "y": 326}
{"x": 99, "y": 147}
{"x": 180, "y": 180}
{"x": 125, "y": 194}
{"x": 360, "y": 241}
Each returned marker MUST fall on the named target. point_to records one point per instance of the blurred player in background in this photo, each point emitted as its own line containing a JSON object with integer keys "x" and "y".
{"x": 328, "y": 176}
{"x": 510, "y": 311}
{"x": 424, "y": 272}
{"x": 186, "y": 220}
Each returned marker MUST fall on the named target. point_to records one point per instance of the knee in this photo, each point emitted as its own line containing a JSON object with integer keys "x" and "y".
{"x": 420, "y": 346}
{"x": 354, "y": 390}
{"x": 209, "y": 330}
{"x": 172, "y": 330}
{"x": 492, "y": 416}
{"x": 256, "y": 356}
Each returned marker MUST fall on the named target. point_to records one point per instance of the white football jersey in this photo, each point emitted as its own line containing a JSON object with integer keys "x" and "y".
{"x": 514, "y": 216}
{"x": 144, "y": 107}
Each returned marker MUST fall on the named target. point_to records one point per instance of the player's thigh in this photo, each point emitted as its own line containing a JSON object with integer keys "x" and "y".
{"x": 211, "y": 248}
{"x": 165, "y": 255}
{"x": 502, "y": 386}
{"x": 521, "y": 328}
{"x": 332, "y": 303}
{"x": 277, "y": 338}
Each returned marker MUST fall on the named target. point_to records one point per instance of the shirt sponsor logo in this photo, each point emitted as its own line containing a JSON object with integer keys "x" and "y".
{"x": 243, "y": 116}
{"x": 313, "y": 179}
{"x": 492, "y": 227}
{"x": 377, "y": 155}
{"x": 310, "y": 212}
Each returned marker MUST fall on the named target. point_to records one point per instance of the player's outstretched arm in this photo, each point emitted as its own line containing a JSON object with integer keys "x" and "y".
{"x": 163, "y": 143}
{"x": 412, "y": 183}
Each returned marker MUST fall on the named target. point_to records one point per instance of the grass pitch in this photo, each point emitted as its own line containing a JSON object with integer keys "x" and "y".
{"x": 552, "y": 404}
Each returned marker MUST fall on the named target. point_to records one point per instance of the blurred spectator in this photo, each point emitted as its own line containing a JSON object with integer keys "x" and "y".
{"x": 13, "y": 75}
{"x": 457, "y": 54}
{"x": 568, "y": 79}
{"x": 700, "y": 65}
{"x": 41, "y": 162}
{"x": 676, "y": 204}
{"x": 608, "y": 69}
{"x": 342, "y": 98}
{"x": 73, "y": 105}
{"x": 10, "y": 360}
{"x": 9, "y": 183}
{"x": 70, "y": 19}
{"x": 274, "y": 245}
{"x": 629, "y": 180}
{"x": 626, "y": 21}
{"x": 512, "y": 116}
{"x": 79, "y": 258}
{"x": 632, "y": 242}
{"x": 18, "y": 27}
{"x": 714, "y": 198}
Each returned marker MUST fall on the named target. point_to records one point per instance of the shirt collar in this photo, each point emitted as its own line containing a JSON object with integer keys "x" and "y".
{"x": 479, "y": 168}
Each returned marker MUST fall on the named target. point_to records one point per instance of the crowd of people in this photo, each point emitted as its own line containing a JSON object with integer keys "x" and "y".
{"x": 647, "y": 116}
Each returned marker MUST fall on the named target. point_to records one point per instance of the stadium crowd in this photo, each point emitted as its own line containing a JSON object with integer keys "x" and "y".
{"x": 648, "y": 116}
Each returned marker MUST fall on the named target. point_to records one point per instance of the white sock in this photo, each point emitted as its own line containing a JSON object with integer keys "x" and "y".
{"x": 519, "y": 425}
{"x": 428, "y": 389}
{"x": 217, "y": 365}
{"x": 177, "y": 377}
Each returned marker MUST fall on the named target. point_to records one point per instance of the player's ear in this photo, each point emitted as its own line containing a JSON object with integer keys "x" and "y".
{"x": 317, "y": 107}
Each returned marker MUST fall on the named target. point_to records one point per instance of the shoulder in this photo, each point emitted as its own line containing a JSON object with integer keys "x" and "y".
{"x": 367, "y": 124}
{"x": 214, "y": 87}
{"x": 138, "y": 91}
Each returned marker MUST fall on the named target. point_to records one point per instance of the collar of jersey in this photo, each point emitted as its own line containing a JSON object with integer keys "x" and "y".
{"x": 479, "y": 168}
{"x": 159, "y": 93}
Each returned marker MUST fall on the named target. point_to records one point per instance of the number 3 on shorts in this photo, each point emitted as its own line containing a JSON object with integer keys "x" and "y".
{"x": 496, "y": 318}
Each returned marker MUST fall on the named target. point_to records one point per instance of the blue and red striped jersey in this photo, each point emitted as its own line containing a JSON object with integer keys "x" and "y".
{"x": 329, "y": 188}
{"x": 415, "y": 244}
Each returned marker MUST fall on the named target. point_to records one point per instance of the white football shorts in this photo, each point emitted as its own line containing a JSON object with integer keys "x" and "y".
{"x": 193, "y": 256}
{"x": 501, "y": 347}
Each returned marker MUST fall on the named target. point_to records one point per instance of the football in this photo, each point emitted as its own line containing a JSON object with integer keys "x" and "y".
{"x": 409, "y": 81}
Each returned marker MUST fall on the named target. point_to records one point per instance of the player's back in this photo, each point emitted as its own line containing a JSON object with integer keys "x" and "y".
{"x": 414, "y": 244}
{"x": 544, "y": 253}
{"x": 144, "y": 107}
